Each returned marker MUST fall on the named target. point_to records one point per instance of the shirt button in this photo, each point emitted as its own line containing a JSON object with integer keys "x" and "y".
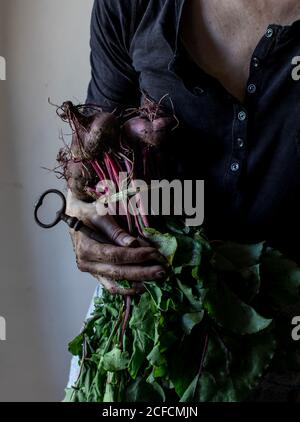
{"x": 235, "y": 167}
{"x": 197, "y": 90}
{"x": 251, "y": 88}
{"x": 269, "y": 33}
{"x": 242, "y": 116}
{"x": 240, "y": 142}
{"x": 255, "y": 62}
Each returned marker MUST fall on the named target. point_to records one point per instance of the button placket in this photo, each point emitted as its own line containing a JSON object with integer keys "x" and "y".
{"x": 239, "y": 136}
{"x": 251, "y": 88}
{"x": 240, "y": 142}
{"x": 255, "y": 62}
{"x": 242, "y": 116}
{"x": 235, "y": 166}
{"x": 270, "y": 32}
{"x": 253, "y": 81}
{"x": 240, "y": 131}
{"x": 236, "y": 160}
{"x": 261, "y": 51}
{"x": 236, "y": 173}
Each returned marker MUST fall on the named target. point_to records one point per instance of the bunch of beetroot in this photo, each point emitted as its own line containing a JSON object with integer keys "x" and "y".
{"x": 106, "y": 144}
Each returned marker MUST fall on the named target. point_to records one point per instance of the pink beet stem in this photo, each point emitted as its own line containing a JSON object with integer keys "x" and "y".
{"x": 114, "y": 175}
{"x": 97, "y": 169}
{"x": 100, "y": 170}
{"x": 110, "y": 160}
{"x": 141, "y": 207}
{"x": 126, "y": 318}
{"x": 143, "y": 214}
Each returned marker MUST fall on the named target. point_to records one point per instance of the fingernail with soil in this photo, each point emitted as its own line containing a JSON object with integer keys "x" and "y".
{"x": 161, "y": 274}
{"x": 129, "y": 241}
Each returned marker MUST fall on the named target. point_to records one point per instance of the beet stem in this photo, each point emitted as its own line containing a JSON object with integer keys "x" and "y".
{"x": 126, "y": 318}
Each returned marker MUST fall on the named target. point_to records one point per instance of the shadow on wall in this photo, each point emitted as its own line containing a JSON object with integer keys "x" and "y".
{"x": 43, "y": 297}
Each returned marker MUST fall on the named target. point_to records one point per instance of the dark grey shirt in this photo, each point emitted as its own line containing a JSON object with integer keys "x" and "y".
{"x": 247, "y": 153}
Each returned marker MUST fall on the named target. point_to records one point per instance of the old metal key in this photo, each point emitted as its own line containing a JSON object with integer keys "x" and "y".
{"x": 73, "y": 222}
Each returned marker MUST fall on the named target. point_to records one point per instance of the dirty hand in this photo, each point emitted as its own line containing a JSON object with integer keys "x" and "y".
{"x": 127, "y": 258}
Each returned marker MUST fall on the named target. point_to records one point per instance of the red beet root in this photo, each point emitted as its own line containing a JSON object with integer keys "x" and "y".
{"x": 149, "y": 132}
{"x": 94, "y": 131}
{"x": 79, "y": 177}
{"x": 102, "y": 133}
{"x": 99, "y": 151}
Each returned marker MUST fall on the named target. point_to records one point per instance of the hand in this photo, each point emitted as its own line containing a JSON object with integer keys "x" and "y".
{"x": 128, "y": 258}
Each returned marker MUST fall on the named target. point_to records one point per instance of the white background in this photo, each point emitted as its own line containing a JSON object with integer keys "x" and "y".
{"x": 42, "y": 295}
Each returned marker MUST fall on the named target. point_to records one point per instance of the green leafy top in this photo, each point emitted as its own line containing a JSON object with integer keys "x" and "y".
{"x": 207, "y": 333}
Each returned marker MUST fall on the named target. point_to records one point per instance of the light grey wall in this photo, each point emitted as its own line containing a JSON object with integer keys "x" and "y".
{"x": 42, "y": 295}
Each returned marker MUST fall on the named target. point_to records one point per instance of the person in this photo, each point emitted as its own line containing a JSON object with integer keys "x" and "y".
{"x": 229, "y": 69}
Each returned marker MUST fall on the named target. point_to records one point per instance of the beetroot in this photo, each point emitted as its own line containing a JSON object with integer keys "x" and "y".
{"x": 151, "y": 125}
{"x": 150, "y": 132}
{"x": 103, "y": 133}
{"x": 100, "y": 151}
{"x": 79, "y": 177}
{"x": 94, "y": 130}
